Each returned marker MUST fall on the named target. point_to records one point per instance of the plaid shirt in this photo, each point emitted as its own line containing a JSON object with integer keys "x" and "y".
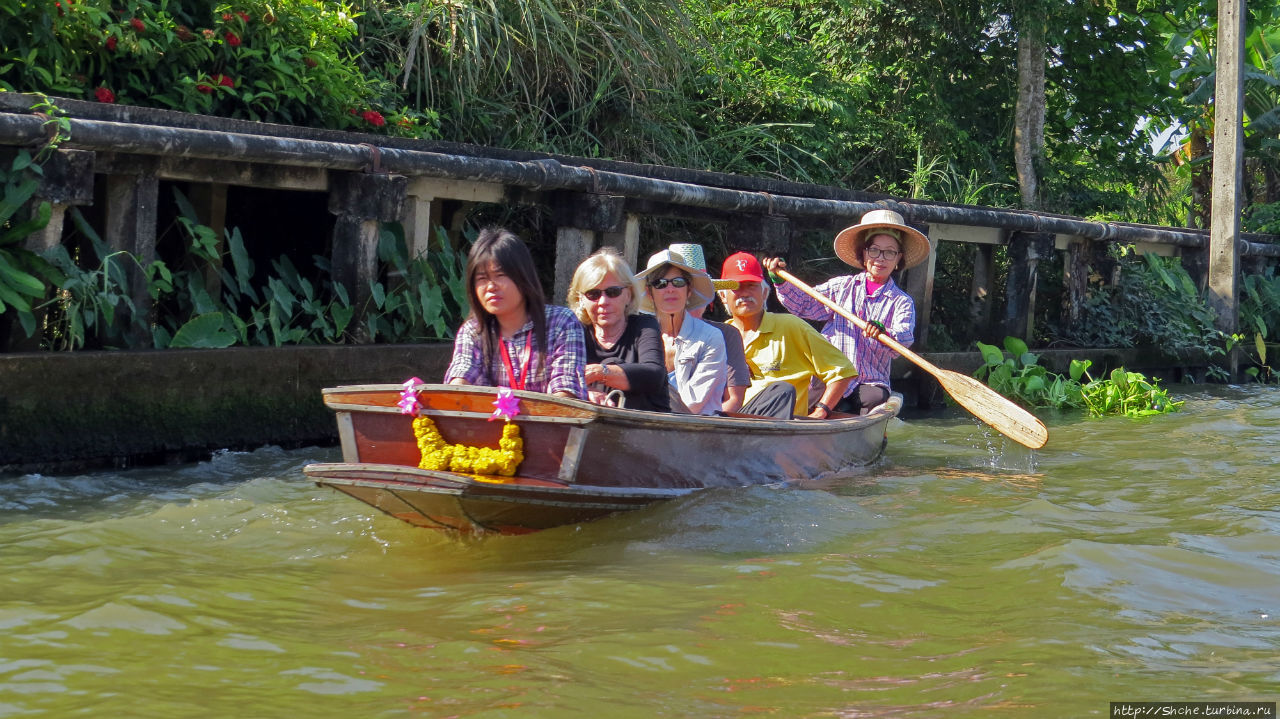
{"x": 889, "y": 305}
{"x": 562, "y": 372}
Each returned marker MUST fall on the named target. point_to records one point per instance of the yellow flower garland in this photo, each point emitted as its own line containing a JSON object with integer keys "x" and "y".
{"x": 440, "y": 456}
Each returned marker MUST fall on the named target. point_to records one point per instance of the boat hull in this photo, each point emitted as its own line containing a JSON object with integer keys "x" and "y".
{"x": 582, "y": 461}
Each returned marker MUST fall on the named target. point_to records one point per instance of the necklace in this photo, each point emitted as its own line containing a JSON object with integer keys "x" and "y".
{"x": 607, "y": 338}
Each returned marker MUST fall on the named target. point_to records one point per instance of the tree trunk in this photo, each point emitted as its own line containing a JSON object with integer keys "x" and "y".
{"x": 1201, "y": 179}
{"x": 1028, "y": 127}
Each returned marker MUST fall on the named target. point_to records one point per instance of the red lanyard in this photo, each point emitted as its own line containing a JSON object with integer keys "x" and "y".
{"x": 524, "y": 364}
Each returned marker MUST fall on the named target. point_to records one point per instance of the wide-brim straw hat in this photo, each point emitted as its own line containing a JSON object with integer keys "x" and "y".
{"x": 694, "y": 257}
{"x": 915, "y": 246}
{"x": 701, "y": 289}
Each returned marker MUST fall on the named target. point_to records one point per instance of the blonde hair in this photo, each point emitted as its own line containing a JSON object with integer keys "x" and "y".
{"x": 605, "y": 261}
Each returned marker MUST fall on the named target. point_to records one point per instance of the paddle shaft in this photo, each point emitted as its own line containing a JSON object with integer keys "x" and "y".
{"x": 985, "y": 403}
{"x": 883, "y": 337}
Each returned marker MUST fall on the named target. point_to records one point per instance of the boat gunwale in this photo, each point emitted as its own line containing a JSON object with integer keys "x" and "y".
{"x": 625, "y": 417}
{"x": 461, "y": 483}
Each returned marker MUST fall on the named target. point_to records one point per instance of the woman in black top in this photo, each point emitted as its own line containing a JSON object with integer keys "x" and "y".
{"x": 624, "y": 349}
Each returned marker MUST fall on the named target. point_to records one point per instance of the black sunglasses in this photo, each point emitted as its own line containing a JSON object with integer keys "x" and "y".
{"x": 610, "y": 292}
{"x": 663, "y": 282}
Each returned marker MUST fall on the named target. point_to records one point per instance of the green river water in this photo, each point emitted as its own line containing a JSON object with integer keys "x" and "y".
{"x": 961, "y": 577}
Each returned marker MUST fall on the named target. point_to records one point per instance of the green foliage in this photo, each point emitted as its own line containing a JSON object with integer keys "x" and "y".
{"x": 1020, "y": 377}
{"x": 288, "y": 61}
{"x": 1155, "y": 302}
{"x": 426, "y": 300}
{"x": 1127, "y": 393}
{"x": 23, "y": 274}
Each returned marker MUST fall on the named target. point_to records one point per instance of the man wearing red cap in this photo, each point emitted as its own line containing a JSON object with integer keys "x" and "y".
{"x": 783, "y": 351}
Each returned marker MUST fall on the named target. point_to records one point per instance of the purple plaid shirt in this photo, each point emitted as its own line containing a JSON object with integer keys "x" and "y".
{"x": 566, "y": 356}
{"x": 889, "y": 306}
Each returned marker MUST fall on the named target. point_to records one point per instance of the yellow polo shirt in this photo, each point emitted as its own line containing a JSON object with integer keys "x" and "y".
{"x": 789, "y": 349}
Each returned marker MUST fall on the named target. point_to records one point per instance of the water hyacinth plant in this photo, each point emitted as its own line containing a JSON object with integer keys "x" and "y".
{"x": 1020, "y": 377}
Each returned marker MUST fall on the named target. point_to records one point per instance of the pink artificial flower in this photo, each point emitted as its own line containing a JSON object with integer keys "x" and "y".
{"x": 506, "y": 406}
{"x": 409, "y": 403}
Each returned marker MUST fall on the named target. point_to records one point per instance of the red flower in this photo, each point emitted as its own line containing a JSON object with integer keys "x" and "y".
{"x": 244, "y": 16}
{"x": 309, "y": 62}
{"x": 406, "y": 122}
{"x": 104, "y": 95}
{"x": 138, "y": 24}
{"x": 225, "y": 81}
{"x": 58, "y": 5}
{"x": 226, "y": 17}
{"x": 184, "y": 33}
{"x": 201, "y": 87}
{"x": 373, "y": 117}
{"x": 233, "y": 39}
{"x": 111, "y": 43}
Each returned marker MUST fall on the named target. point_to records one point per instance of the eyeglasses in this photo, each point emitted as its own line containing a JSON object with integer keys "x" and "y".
{"x": 876, "y": 253}
{"x": 663, "y": 282}
{"x": 610, "y": 292}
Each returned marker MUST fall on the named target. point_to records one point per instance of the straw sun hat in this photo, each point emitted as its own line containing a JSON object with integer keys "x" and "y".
{"x": 915, "y": 246}
{"x": 701, "y": 290}
{"x": 693, "y": 256}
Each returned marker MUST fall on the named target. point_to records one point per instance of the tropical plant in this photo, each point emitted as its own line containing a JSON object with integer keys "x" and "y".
{"x": 1127, "y": 393}
{"x": 1154, "y": 303}
{"x": 1020, "y": 377}
{"x": 278, "y": 61}
{"x": 24, "y": 275}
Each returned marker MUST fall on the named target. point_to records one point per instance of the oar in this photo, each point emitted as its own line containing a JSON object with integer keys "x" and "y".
{"x": 985, "y": 403}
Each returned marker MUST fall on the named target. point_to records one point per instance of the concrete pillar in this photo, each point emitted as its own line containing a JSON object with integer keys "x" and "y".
{"x": 422, "y": 215}
{"x": 361, "y": 203}
{"x": 626, "y": 242}
{"x": 1075, "y": 281}
{"x": 1026, "y": 249}
{"x": 980, "y": 289}
{"x": 918, "y": 282}
{"x": 131, "y": 227}
{"x": 582, "y": 218}
{"x": 66, "y": 180}
{"x": 1228, "y": 151}
{"x": 210, "y": 203}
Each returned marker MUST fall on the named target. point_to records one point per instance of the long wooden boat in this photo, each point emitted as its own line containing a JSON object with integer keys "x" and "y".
{"x": 581, "y": 461}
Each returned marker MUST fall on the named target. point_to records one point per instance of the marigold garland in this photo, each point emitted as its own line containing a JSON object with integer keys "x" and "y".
{"x": 441, "y": 456}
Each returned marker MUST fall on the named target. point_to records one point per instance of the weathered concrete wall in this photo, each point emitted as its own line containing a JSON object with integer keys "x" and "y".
{"x": 68, "y": 411}
{"x": 62, "y": 412}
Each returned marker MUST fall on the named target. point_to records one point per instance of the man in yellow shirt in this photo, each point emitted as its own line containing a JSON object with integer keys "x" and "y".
{"x": 783, "y": 351}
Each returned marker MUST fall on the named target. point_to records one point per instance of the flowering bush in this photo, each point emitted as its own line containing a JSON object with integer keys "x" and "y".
{"x": 289, "y": 61}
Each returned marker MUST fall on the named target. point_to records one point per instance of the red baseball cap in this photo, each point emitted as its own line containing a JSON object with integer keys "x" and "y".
{"x": 743, "y": 267}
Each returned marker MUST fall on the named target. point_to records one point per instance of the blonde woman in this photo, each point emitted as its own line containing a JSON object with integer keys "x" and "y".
{"x": 624, "y": 349}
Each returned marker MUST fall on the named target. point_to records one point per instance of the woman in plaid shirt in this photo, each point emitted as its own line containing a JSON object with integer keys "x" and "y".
{"x": 879, "y": 244}
{"x": 513, "y": 338}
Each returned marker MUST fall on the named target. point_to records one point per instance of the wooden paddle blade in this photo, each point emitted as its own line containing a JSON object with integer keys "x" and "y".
{"x": 993, "y": 408}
